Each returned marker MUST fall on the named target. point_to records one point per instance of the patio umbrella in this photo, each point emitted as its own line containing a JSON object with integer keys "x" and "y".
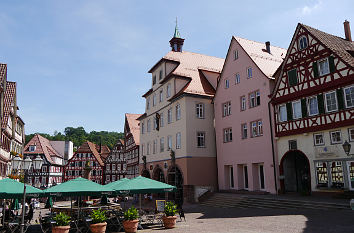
{"x": 78, "y": 187}
{"x": 10, "y": 188}
{"x": 15, "y": 205}
{"x": 116, "y": 184}
{"x": 140, "y": 184}
{"x": 49, "y": 203}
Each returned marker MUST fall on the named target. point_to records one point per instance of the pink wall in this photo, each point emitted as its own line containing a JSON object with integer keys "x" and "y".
{"x": 250, "y": 151}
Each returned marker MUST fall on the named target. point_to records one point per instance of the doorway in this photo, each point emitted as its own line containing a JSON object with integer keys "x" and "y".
{"x": 175, "y": 178}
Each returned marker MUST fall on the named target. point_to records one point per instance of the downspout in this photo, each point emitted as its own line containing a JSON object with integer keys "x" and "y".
{"x": 273, "y": 151}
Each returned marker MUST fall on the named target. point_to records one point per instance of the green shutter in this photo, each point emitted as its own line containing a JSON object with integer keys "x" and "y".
{"x": 303, "y": 108}
{"x": 315, "y": 69}
{"x": 289, "y": 111}
{"x": 340, "y": 99}
{"x": 292, "y": 78}
{"x": 320, "y": 103}
{"x": 332, "y": 67}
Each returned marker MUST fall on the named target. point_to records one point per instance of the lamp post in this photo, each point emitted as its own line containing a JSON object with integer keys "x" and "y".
{"x": 26, "y": 165}
{"x": 346, "y": 147}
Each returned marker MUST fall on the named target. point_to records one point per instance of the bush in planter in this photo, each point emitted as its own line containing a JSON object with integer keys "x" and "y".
{"x": 62, "y": 223}
{"x": 169, "y": 220}
{"x": 98, "y": 224}
{"x": 131, "y": 220}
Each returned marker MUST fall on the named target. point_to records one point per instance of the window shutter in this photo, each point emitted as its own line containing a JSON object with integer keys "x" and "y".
{"x": 289, "y": 111}
{"x": 292, "y": 78}
{"x": 303, "y": 108}
{"x": 320, "y": 103}
{"x": 315, "y": 69}
{"x": 340, "y": 99}
{"x": 332, "y": 67}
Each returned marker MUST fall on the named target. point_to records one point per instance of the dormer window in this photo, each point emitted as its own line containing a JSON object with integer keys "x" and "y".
{"x": 160, "y": 76}
{"x": 32, "y": 148}
{"x": 303, "y": 42}
{"x": 154, "y": 80}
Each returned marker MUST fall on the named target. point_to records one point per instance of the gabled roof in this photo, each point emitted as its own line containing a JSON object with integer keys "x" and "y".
{"x": 3, "y": 71}
{"x": 43, "y": 146}
{"x": 104, "y": 151}
{"x": 338, "y": 45}
{"x": 9, "y": 96}
{"x": 133, "y": 125}
{"x": 89, "y": 147}
{"x": 189, "y": 66}
{"x": 268, "y": 63}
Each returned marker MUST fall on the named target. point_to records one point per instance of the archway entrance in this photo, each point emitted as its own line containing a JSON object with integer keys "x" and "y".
{"x": 146, "y": 174}
{"x": 295, "y": 169}
{"x": 174, "y": 177}
{"x": 159, "y": 176}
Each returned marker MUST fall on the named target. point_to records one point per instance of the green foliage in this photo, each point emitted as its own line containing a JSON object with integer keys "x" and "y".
{"x": 170, "y": 209}
{"x": 131, "y": 214}
{"x": 98, "y": 216}
{"x": 62, "y": 219}
{"x": 78, "y": 136}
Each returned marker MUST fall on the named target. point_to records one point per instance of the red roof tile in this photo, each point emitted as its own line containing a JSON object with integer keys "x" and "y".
{"x": 133, "y": 125}
{"x": 10, "y": 94}
{"x": 89, "y": 147}
{"x": 3, "y": 72}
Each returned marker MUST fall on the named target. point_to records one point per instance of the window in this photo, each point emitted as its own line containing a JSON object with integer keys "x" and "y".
{"x": 178, "y": 140}
{"x": 148, "y": 148}
{"x": 228, "y": 135}
{"x": 44, "y": 181}
{"x": 200, "y": 139}
{"x": 168, "y": 90}
{"x": 244, "y": 131}
{"x": 169, "y": 116}
{"x": 161, "y": 95}
{"x": 318, "y": 139}
{"x": 237, "y": 78}
{"x": 200, "y": 110}
{"x": 322, "y": 175}
{"x": 245, "y": 175}
{"x": 312, "y": 105}
{"x": 162, "y": 123}
{"x": 302, "y": 42}
{"x": 236, "y": 54}
{"x": 227, "y": 83}
{"x": 252, "y": 100}
{"x": 351, "y": 135}
{"x": 227, "y": 109}
{"x": 154, "y": 80}
{"x": 243, "y": 103}
{"x": 336, "y": 137}
{"x": 323, "y": 67}
{"x": 282, "y": 113}
{"x": 331, "y": 101}
{"x": 292, "y": 144}
{"x": 297, "y": 109}
{"x": 142, "y": 128}
{"x": 108, "y": 178}
{"x": 113, "y": 167}
{"x": 32, "y": 148}
{"x": 154, "y": 148}
{"x": 292, "y": 77}
{"x": 148, "y": 125}
{"x": 113, "y": 177}
{"x": 254, "y": 129}
{"x": 155, "y": 123}
{"x": 249, "y": 72}
{"x": 178, "y": 112}
{"x": 44, "y": 168}
{"x": 258, "y": 98}
{"x": 154, "y": 100}
{"x": 260, "y": 128}
{"x": 349, "y": 96}
{"x": 148, "y": 103}
{"x": 160, "y": 76}
{"x": 169, "y": 142}
{"x": 162, "y": 144}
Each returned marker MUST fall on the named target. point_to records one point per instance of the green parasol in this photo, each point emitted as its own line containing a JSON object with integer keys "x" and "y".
{"x": 10, "y": 188}
{"x": 140, "y": 184}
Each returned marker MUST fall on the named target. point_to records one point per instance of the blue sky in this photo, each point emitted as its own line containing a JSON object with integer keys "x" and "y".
{"x": 84, "y": 63}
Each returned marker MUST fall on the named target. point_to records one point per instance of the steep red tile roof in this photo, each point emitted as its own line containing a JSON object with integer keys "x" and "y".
{"x": 89, "y": 147}
{"x": 3, "y": 71}
{"x": 8, "y": 102}
{"x": 337, "y": 44}
{"x": 105, "y": 151}
{"x": 43, "y": 146}
{"x": 133, "y": 125}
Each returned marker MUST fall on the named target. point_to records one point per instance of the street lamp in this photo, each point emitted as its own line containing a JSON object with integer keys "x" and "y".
{"x": 346, "y": 147}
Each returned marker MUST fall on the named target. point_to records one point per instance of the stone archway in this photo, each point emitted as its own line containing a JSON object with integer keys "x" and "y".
{"x": 295, "y": 172}
{"x": 146, "y": 174}
{"x": 175, "y": 177}
{"x": 159, "y": 176}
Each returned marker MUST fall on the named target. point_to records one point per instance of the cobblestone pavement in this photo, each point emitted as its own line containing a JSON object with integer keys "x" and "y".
{"x": 209, "y": 219}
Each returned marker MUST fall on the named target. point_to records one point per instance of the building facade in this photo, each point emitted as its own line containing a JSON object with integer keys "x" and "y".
{"x": 177, "y": 138}
{"x": 51, "y": 172}
{"x": 115, "y": 164}
{"x": 131, "y": 145}
{"x": 87, "y": 154}
{"x": 242, "y": 116}
{"x": 314, "y": 112}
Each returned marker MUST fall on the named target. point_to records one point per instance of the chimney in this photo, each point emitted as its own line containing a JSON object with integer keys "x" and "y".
{"x": 267, "y": 46}
{"x": 348, "y": 35}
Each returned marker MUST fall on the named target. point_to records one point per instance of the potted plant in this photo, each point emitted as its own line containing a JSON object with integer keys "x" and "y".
{"x": 62, "y": 223}
{"x": 98, "y": 224}
{"x": 131, "y": 220}
{"x": 169, "y": 220}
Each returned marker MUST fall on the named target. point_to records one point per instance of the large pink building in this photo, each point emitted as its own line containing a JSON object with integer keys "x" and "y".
{"x": 242, "y": 119}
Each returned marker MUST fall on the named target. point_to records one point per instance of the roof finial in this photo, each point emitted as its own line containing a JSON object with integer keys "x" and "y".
{"x": 176, "y": 35}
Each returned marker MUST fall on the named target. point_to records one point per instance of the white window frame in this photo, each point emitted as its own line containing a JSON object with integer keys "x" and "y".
{"x": 226, "y": 109}
{"x": 243, "y": 103}
{"x": 178, "y": 140}
{"x": 200, "y": 110}
{"x": 113, "y": 167}
{"x": 280, "y": 115}
{"x": 335, "y": 97}
{"x": 351, "y": 139}
{"x": 32, "y": 148}
{"x": 162, "y": 122}
{"x": 252, "y": 99}
{"x": 168, "y": 90}
{"x": 148, "y": 125}
{"x": 169, "y": 116}
{"x": 320, "y": 72}
{"x": 244, "y": 131}
{"x": 178, "y": 112}
{"x": 162, "y": 144}
{"x": 315, "y": 139}
{"x": 309, "y": 105}
{"x": 298, "y": 103}
{"x": 299, "y": 41}
{"x": 201, "y": 135}
{"x": 237, "y": 78}
{"x": 161, "y": 95}
{"x": 336, "y": 142}
{"x": 249, "y": 72}
{"x": 169, "y": 142}
{"x": 345, "y": 97}
{"x": 227, "y": 83}
{"x": 227, "y": 135}
{"x": 154, "y": 99}
{"x": 260, "y": 128}
{"x": 154, "y": 148}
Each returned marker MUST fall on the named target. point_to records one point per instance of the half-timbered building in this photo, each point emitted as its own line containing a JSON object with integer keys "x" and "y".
{"x": 114, "y": 165}
{"x": 131, "y": 145}
{"x": 88, "y": 153}
{"x": 314, "y": 112}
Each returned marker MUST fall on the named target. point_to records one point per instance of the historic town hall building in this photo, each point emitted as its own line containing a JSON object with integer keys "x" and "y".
{"x": 115, "y": 163}
{"x": 314, "y": 112}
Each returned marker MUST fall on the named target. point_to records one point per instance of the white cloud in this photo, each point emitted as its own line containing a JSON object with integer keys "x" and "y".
{"x": 307, "y": 10}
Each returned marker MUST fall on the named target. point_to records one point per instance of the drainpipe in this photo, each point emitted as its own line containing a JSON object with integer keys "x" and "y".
{"x": 273, "y": 151}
